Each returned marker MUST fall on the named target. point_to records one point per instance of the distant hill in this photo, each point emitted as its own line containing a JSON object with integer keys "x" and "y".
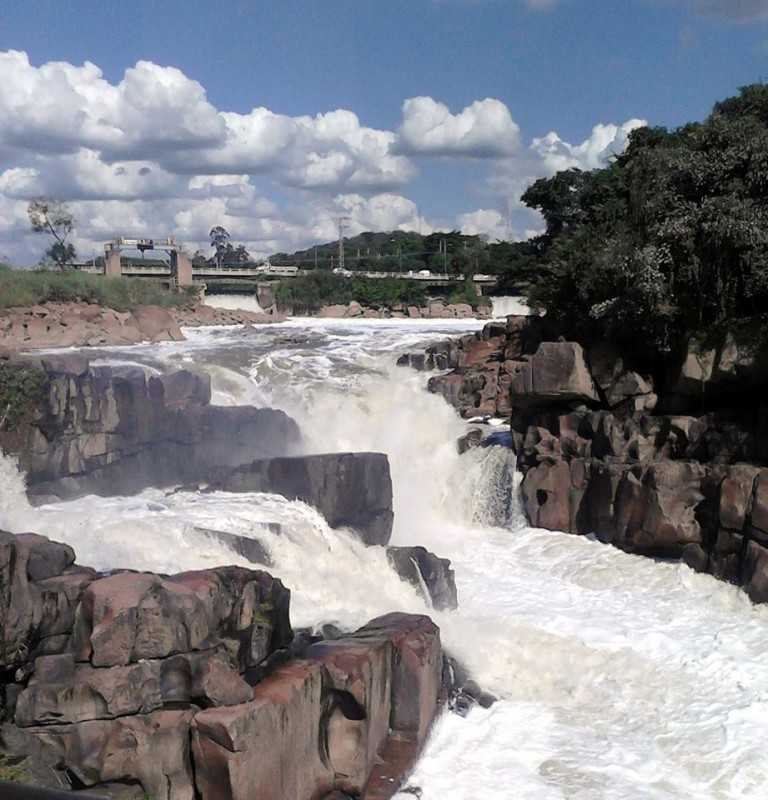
{"x": 450, "y": 253}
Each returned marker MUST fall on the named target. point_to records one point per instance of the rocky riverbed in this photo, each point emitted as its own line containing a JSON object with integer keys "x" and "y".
{"x": 604, "y": 452}
{"x": 51, "y": 325}
{"x": 195, "y": 685}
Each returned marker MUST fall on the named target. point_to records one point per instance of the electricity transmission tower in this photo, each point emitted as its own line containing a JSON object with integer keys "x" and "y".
{"x": 342, "y": 224}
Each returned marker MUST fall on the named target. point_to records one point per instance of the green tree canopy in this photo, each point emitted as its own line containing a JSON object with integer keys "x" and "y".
{"x": 668, "y": 241}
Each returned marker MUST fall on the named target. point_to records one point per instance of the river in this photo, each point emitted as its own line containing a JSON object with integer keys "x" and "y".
{"x": 617, "y": 676}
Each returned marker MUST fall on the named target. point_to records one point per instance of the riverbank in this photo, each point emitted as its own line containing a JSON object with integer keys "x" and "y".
{"x": 51, "y": 324}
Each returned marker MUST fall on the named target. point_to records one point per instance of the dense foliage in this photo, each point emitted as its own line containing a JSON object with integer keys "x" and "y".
{"x": 21, "y": 389}
{"x": 667, "y": 243}
{"x": 449, "y": 253}
{"x": 308, "y": 293}
{"x": 21, "y": 288}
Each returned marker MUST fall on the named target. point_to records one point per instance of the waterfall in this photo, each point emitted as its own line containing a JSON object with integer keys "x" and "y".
{"x": 617, "y": 676}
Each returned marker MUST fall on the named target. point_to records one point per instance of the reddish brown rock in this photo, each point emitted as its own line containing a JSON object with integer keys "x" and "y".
{"x": 736, "y": 493}
{"x": 131, "y": 616}
{"x": 557, "y": 372}
{"x": 61, "y": 691}
{"x": 546, "y": 492}
{"x": 151, "y": 749}
{"x": 156, "y": 324}
{"x": 268, "y": 748}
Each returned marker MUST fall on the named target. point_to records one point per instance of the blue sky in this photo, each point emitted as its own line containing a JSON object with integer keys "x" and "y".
{"x": 274, "y": 118}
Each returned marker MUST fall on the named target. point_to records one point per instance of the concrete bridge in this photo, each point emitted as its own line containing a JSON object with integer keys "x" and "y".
{"x": 186, "y": 273}
{"x": 180, "y": 271}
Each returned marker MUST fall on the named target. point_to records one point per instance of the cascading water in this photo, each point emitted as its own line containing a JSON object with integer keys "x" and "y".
{"x": 618, "y": 677}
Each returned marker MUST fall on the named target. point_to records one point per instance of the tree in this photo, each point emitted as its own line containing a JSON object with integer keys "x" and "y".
{"x": 235, "y": 255}
{"x": 51, "y": 215}
{"x": 669, "y": 242}
{"x": 219, "y": 237}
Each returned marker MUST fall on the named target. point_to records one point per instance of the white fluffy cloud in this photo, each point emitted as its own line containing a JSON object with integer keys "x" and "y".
{"x": 484, "y": 129}
{"x": 604, "y": 142}
{"x": 150, "y": 156}
{"x": 59, "y": 108}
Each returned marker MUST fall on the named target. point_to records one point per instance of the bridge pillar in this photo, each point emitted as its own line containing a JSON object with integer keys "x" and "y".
{"x": 112, "y": 265}
{"x": 181, "y": 269}
{"x": 265, "y": 294}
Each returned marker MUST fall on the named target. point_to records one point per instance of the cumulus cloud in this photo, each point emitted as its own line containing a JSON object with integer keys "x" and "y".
{"x": 484, "y": 129}
{"x": 150, "y": 156}
{"x": 157, "y": 113}
{"x": 483, "y": 222}
{"x": 58, "y": 108}
{"x": 604, "y": 142}
{"x": 85, "y": 175}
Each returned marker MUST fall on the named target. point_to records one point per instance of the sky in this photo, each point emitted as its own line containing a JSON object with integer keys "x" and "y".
{"x": 275, "y": 118}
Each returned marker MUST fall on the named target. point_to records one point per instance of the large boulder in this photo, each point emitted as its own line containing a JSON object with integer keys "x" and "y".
{"x": 110, "y": 430}
{"x": 557, "y": 372}
{"x": 149, "y": 749}
{"x": 323, "y": 723}
{"x": 129, "y": 616}
{"x": 352, "y": 490}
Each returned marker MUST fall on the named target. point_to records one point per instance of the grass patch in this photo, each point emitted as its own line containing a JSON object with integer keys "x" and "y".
{"x": 11, "y": 771}
{"x": 22, "y": 288}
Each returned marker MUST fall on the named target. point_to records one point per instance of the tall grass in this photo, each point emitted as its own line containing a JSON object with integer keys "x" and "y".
{"x": 28, "y": 288}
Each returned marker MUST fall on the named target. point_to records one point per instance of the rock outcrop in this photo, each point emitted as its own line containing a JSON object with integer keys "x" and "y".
{"x": 145, "y": 684}
{"x": 201, "y": 315}
{"x": 598, "y": 457}
{"x": 481, "y": 364}
{"x": 351, "y": 490}
{"x": 85, "y": 325}
{"x": 430, "y": 575}
{"x": 108, "y": 430}
{"x": 434, "y": 310}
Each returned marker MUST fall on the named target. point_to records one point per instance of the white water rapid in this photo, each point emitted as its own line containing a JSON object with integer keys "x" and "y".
{"x": 619, "y": 678}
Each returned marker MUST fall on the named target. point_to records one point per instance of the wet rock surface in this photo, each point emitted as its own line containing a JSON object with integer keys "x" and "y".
{"x": 652, "y": 470}
{"x": 431, "y": 575}
{"x": 117, "y": 430}
{"x": 349, "y": 489}
{"x": 156, "y": 685}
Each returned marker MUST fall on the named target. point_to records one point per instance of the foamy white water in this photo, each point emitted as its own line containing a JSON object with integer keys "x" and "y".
{"x": 244, "y": 302}
{"x": 619, "y": 677}
{"x": 504, "y": 306}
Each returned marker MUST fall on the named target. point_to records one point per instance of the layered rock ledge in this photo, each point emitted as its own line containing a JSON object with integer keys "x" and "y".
{"x": 51, "y": 325}
{"x": 134, "y": 683}
{"x": 604, "y": 452}
{"x": 117, "y": 430}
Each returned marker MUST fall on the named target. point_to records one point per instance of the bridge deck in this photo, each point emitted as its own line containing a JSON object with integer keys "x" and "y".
{"x": 240, "y": 273}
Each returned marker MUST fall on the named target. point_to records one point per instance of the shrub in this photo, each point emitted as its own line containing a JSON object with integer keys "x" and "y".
{"x": 26, "y": 288}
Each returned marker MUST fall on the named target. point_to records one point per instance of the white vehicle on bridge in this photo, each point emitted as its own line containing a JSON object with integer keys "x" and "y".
{"x": 271, "y": 269}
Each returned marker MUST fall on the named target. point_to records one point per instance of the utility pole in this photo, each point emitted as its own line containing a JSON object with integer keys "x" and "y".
{"x": 342, "y": 224}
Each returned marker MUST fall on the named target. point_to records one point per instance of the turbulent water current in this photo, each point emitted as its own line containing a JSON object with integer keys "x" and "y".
{"x": 618, "y": 677}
